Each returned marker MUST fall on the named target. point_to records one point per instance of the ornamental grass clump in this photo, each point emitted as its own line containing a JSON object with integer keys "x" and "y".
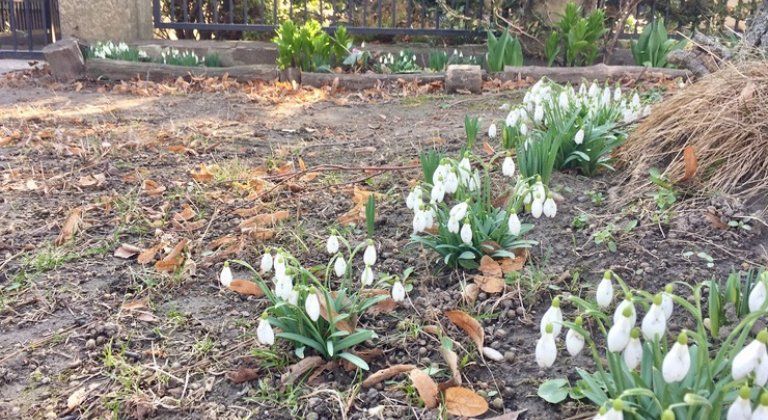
{"x": 312, "y": 314}
{"x": 648, "y": 367}
{"x": 559, "y": 127}
{"x": 456, "y": 214}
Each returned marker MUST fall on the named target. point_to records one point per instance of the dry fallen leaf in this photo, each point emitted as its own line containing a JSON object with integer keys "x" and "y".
{"x": 71, "y": 226}
{"x": 489, "y": 267}
{"x": 464, "y": 402}
{"x": 691, "y": 163}
{"x": 510, "y": 265}
{"x": 246, "y": 287}
{"x": 204, "y": 174}
{"x": 126, "y": 251}
{"x": 243, "y": 374}
{"x": 386, "y": 374}
{"x": 489, "y": 284}
{"x": 152, "y": 187}
{"x": 174, "y": 259}
{"x": 470, "y": 292}
{"x": 76, "y": 398}
{"x": 452, "y": 360}
{"x": 148, "y": 255}
{"x": 296, "y": 370}
{"x": 470, "y": 326}
{"x": 426, "y": 387}
{"x": 186, "y": 213}
{"x": 342, "y": 325}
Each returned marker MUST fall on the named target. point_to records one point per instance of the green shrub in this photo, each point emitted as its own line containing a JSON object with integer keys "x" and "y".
{"x": 653, "y": 45}
{"x": 576, "y": 37}
{"x": 503, "y": 51}
{"x": 309, "y": 48}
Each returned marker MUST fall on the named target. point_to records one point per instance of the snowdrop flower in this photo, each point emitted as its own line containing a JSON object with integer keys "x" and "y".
{"x": 563, "y": 100}
{"x": 523, "y": 129}
{"x": 264, "y": 332}
{"x": 504, "y": 107}
{"x": 451, "y": 182}
{"x": 398, "y": 292}
{"x": 604, "y": 294}
{"x": 741, "y": 409}
{"x": 279, "y": 265}
{"x": 511, "y": 119}
{"x": 636, "y": 101}
{"x": 453, "y": 225}
{"x": 266, "y": 262}
{"x": 340, "y": 266}
{"x": 508, "y": 167}
{"x": 546, "y": 348}
{"x": 369, "y": 256}
{"x": 626, "y": 303}
{"x": 366, "y": 278}
{"x": 574, "y": 341}
{"x": 582, "y": 89}
{"x": 226, "y": 275}
{"x": 459, "y": 211}
{"x": 466, "y": 234}
{"x": 492, "y": 131}
{"x": 616, "y": 411}
{"x": 283, "y": 287}
{"x": 677, "y": 362}
{"x": 554, "y": 317}
{"x": 474, "y": 181}
{"x": 749, "y": 358}
{"x": 312, "y": 306}
{"x": 514, "y": 225}
{"x": 633, "y": 353}
{"x": 593, "y": 89}
{"x": 465, "y": 170}
{"x": 537, "y": 208}
{"x": 617, "y": 94}
{"x": 758, "y": 295}
{"x": 667, "y": 304}
{"x": 619, "y": 334}
{"x": 579, "y": 137}
{"x": 293, "y": 297}
{"x": 549, "y": 207}
{"x": 332, "y": 245}
{"x": 761, "y": 412}
{"x": 414, "y": 199}
{"x": 438, "y": 193}
{"x": 655, "y": 321}
{"x": 606, "y": 99}
{"x": 538, "y": 114}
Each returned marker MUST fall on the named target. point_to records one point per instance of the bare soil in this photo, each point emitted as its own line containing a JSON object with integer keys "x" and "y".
{"x": 66, "y": 332}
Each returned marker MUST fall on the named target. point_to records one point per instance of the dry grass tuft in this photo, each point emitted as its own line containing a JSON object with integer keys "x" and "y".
{"x": 724, "y": 118}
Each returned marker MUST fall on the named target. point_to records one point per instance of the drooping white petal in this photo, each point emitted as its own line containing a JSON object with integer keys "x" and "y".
{"x": 553, "y": 316}
{"x": 546, "y": 350}
{"x": 264, "y": 333}
{"x": 537, "y": 208}
{"x": 466, "y": 234}
{"x": 369, "y": 256}
{"x": 667, "y": 304}
{"x": 757, "y": 296}
{"x": 550, "y": 207}
{"x": 676, "y": 363}
{"x": 459, "y": 211}
{"x": 618, "y": 335}
{"x": 514, "y": 225}
{"x": 604, "y": 294}
{"x": 760, "y": 413}
{"x": 579, "y": 137}
{"x": 453, "y": 225}
{"x": 741, "y": 409}
{"x": 618, "y": 314}
{"x": 633, "y": 353}
{"x": 574, "y": 342}
{"x": 747, "y": 359}
{"x": 654, "y": 323}
{"x": 492, "y": 131}
{"x": 437, "y": 195}
{"x": 332, "y": 245}
{"x": 312, "y": 306}
{"x": 414, "y": 198}
{"x": 225, "y": 276}
{"x": 508, "y": 167}
{"x": 761, "y": 370}
{"x": 340, "y": 266}
{"x": 366, "y": 278}
{"x": 398, "y": 292}
{"x": 266, "y": 263}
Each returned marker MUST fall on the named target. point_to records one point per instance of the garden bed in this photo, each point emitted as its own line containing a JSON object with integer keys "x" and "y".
{"x": 366, "y": 80}
{"x": 104, "y": 69}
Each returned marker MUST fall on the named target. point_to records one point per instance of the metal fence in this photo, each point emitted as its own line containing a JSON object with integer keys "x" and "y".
{"x": 26, "y": 26}
{"x": 228, "y": 19}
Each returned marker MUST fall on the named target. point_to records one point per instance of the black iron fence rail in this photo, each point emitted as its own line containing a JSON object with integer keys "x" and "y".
{"x": 26, "y": 26}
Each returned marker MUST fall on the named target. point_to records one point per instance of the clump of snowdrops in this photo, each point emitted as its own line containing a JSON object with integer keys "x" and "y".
{"x": 308, "y": 311}
{"x": 650, "y": 369}
{"x": 457, "y": 214}
{"x": 559, "y": 127}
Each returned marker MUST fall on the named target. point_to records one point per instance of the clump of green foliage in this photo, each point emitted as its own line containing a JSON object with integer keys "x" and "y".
{"x": 576, "y": 39}
{"x": 504, "y": 50}
{"x": 653, "y": 45}
{"x": 309, "y": 48}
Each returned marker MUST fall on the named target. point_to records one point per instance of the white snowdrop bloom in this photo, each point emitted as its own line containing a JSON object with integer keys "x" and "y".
{"x": 600, "y": 415}
{"x": 312, "y": 306}
{"x": 537, "y": 208}
{"x": 546, "y": 348}
{"x": 465, "y": 170}
{"x": 440, "y": 173}
{"x": 264, "y": 332}
{"x": 761, "y": 412}
{"x": 667, "y": 304}
{"x": 582, "y": 89}
{"x": 528, "y": 198}
{"x": 633, "y": 353}
{"x": 279, "y": 265}
{"x": 654, "y": 322}
{"x": 266, "y": 262}
{"x": 429, "y": 216}
{"x": 437, "y": 195}
{"x": 524, "y": 129}
{"x": 677, "y": 362}
{"x": 508, "y": 167}
{"x": 366, "y": 278}
{"x": 617, "y": 94}
{"x": 741, "y": 408}
{"x": 606, "y": 99}
{"x": 511, "y": 119}
{"x": 539, "y": 191}
{"x": 369, "y": 256}
{"x": 332, "y": 245}
{"x": 283, "y": 287}
{"x": 635, "y": 101}
{"x": 453, "y": 225}
{"x": 451, "y": 182}
{"x": 761, "y": 371}
{"x": 459, "y": 211}
{"x": 553, "y": 316}
{"x": 616, "y": 412}
{"x": 604, "y": 294}
{"x": 593, "y": 90}
{"x": 549, "y": 207}
{"x": 626, "y": 303}
{"x": 619, "y": 334}
{"x": 225, "y": 277}
{"x": 466, "y": 234}
{"x": 563, "y": 100}
{"x": 749, "y": 357}
{"x": 579, "y": 137}
{"x": 340, "y": 266}
{"x": 574, "y": 342}
{"x": 492, "y": 131}
{"x": 757, "y": 296}
{"x": 514, "y": 225}
{"x": 293, "y": 297}
{"x": 414, "y": 198}
{"x": 398, "y": 292}
{"x": 504, "y": 107}
{"x": 419, "y": 221}
{"x": 474, "y": 181}
{"x": 538, "y": 114}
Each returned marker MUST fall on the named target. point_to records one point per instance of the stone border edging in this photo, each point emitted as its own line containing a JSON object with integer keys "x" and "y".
{"x": 599, "y": 72}
{"x": 366, "y": 80}
{"x": 98, "y": 69}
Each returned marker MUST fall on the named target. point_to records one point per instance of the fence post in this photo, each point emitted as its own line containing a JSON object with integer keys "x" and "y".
{"x": 156, "y": 12}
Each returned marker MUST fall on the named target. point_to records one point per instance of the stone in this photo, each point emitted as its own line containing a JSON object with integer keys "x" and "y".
{"x": 463, "y": 78}
{"x": 65, "y": 60}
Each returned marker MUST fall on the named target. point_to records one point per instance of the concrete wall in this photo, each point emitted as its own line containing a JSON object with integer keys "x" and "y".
{"x": 117, "y": 20}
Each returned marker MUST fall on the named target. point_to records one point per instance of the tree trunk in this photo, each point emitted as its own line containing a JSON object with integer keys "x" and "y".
{"x": 756, "y": 35}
